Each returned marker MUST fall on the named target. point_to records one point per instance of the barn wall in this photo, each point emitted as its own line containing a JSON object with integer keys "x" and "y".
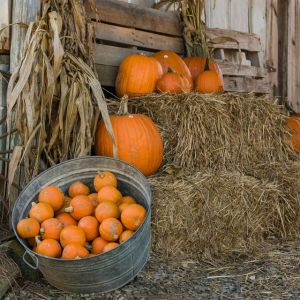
{"x": 5, "y": 17}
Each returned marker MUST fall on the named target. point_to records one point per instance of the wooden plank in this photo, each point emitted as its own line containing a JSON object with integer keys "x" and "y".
{"x": 5, "y": 19}
{"x": 130, "y": 15}
{"x": 138, "y": 38}
{"x": 271, "y": 48}
{"x": 107, "y": 75}
{"x": 113, "y": 56}
{"x": 238, "y": 15}
{"x": 22, "y": 11}
{"x": 283, "y": 48}
{"x": 293, "y": 73}
{"x": 217, "y": 13}
{"x": 246, "y": 84}
{"x": 247, "y": 41}
{"x": 257, "y": 20}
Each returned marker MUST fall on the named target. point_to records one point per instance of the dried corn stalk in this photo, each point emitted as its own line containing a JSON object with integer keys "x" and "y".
{"x": 55, "y": 97}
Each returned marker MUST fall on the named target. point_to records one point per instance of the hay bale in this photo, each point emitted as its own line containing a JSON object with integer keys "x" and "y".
{"x": 228, "y": 131}
{"x": 202, "y": 215}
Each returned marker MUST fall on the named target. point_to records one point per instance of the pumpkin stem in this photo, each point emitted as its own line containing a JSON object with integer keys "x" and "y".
{"x": 33, "y": 204}
{"x": 123, "y": 109}
{"x": 206, "y": 64}
{"x": 69, "y": 209}
{"x": 37, "y": 239}
{"x": 42, "y": 230}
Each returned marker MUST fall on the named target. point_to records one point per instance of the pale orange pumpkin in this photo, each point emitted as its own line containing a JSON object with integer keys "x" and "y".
{"x": 137, "y": 139}
{"x": 208, "y": 82}
{"x": 133, "y": 216}
{"x": 49, "y": 247}
{"x": 103, "y": 179}
{"x": 110, "y": 246}
{"x": 72, "y": 234}
{"x": 90, "y": 226}
{"x": 197, "y": 64}
{"x": 111, "y": 229}
{"x": 173, "y": 83}
{"x": 53, "y": 196}
{"x": 107, "y": 209}
{"x": 80, "y": 206}
{"x": 51, "y": 228}
{"x": 28, "y": 228}
{"x": 41, "y": 211}
{"x": 169, "y": 59}
{"x": 137, "y": 75}
{"x": 74, "y": 251}
{"x": 98, "y": 245}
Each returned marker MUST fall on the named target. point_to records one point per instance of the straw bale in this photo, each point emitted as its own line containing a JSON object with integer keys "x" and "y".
{"x": 230, "y": 131}
{"x": 201, "y": 215}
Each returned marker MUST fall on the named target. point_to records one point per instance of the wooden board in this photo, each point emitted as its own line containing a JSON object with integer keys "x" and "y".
{"x": 126, "y": 28}
{"x": 5, "y": 20}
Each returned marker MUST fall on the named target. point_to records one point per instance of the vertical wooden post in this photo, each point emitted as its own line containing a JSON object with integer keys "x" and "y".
{"x": 22, "y": 11}
{"x": 283, "y": 16}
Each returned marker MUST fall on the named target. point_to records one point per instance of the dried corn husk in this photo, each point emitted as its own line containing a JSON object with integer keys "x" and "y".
{"x": 54, "y": 97}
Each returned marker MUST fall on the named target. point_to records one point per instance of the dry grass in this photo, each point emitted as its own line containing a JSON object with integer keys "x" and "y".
{"x": 228, "y": 131}
{"x": 205, "y": 214}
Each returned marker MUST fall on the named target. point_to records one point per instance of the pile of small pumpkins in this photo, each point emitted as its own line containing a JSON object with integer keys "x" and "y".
{"x": 82, "y": 224}
{"x": 167, "y": 72}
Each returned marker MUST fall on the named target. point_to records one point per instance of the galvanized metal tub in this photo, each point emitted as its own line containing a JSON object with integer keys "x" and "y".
{"x": 104, "y": 272}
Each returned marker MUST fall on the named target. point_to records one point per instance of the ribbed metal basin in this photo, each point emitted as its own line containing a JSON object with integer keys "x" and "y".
{"x": 104, "y": 272}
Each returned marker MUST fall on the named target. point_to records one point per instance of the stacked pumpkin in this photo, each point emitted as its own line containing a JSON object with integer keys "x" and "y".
{"x": 166, "y": 71}
{"x": 81, "y": 224}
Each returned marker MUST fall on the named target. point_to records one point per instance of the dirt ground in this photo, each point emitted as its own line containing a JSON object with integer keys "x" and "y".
{"x": 272, "y": 274}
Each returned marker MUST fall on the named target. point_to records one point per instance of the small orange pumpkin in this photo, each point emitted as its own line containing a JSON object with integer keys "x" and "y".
{"x": 107, "y": 209}
{"x": 49, "y": 247}
{"x": 110, "y": 246}
{"x": 208, "y": 82}
{"x": 173, "y": 83}
{"x": 137, "y": 75}
{"x": 128, "y": 199}
{"x": 94, "y": 199}
{"x": 41, "y": 211}
{"x": 90, "y": 226}
{"x": 123, "y": 205}
{"x": 98, "y": 245}
{"x": 51, "y": 228}
{"x": 197, "y": 65}
{"x": 104, "y": 178}
{"x": 125, "y": 236}
{"x": 74, "y": 251}
{"x": 133, "y": 216}
{"x": 111, "y": 229}
{"x": 78, "y": 188}
{"x": 169, "y": 59}
{"x": 80, "y": 206}
{"x": 137, "y": 138}
{"x": 66, "y": 219}
{"x": 72, "y": 234}
{"x": 28, "y": 228}
{"x": 53, "y": 196}
{"x": 109, "y": 193}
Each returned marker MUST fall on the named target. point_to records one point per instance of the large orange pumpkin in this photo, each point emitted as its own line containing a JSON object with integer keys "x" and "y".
{"x": 137, "y": 138}
{"x": 173, "y": 83}
{"x": 293, "y": 124}
{"x": 169, "y": 59}
{"x": 137, "y": 75}
{"x": 197, "y": 64}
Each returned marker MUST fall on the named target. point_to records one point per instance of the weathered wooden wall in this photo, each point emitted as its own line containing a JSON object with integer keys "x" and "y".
{"x": 5, "y": 19}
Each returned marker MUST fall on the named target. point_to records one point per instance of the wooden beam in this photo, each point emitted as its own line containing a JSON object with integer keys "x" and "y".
{"x": 282, "y": 48}
{"x": 138, "y": 38}
{"x": 22, "y": 11}
{"x": 134, "y": 16}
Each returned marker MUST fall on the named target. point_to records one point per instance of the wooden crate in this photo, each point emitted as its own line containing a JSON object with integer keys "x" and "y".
{"x": 127, "y": 28}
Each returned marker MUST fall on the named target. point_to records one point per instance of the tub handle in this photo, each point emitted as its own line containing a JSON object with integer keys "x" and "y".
{"x": 34, "y": 266}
